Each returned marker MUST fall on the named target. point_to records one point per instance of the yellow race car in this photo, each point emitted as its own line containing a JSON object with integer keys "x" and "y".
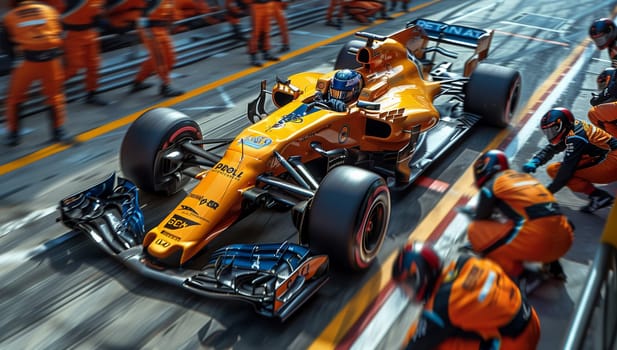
{"x": 330, "y": 152}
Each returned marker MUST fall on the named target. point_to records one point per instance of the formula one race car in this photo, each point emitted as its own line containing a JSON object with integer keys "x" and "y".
{"x": 332, "y": 169}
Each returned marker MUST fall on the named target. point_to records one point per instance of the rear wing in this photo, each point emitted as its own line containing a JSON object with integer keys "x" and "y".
{"x": 469, "y": 37}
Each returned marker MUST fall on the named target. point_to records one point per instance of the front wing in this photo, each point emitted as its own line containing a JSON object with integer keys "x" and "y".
{"x": 277, "y": 278}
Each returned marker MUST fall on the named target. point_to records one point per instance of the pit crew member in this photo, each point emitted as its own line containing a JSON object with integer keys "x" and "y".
{"x": 516, "y": 219}
{"x": 81, "y": 21}
{"x": 603, "y": 32}
{"x": 34, "y": 29}
{"x": 468, "y": 303}
{"x": 590, "y": 157}
{"x": 603, "y": 111}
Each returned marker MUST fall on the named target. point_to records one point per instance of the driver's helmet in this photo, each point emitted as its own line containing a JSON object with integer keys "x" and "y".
{"x": 488, "y": 164}
{"x": 603, "y": 32}
{"x": 416, "y": 269}
{"x": 346, "y": 85}
{"x": 556, "y": 124}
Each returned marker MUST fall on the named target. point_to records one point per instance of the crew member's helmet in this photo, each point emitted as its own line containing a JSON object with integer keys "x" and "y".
{"x": 346, "y": 85}
{"x": 606, "y": 77}
{"x": 488, "y": 164}
{"x": 556, "y": 124}
{"x": 416, "y": 269}
{"x": 603, "y": 32}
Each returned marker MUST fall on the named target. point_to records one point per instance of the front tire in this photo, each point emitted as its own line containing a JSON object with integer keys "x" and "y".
{"x": 493, "y": 93}
{"x": 153, "y": 135}
{"x": 349, "y": 215}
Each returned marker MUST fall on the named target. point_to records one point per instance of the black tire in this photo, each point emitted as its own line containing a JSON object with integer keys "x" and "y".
{"x": 155, "y": 132}
{"x": 493, "y": 93}
{"x": 348, "y": 218}
{"x": 346, "y": 59}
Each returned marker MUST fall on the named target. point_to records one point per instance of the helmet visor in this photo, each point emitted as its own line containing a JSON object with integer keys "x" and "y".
{"x": 411, "y": 285}
{"x": 553, "y": 132}
{"x": 601, "y": 40}
{"x": 341, "y": 94}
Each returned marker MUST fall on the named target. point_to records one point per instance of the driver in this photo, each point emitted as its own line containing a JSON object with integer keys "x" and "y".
{"x": 345, "y": 88}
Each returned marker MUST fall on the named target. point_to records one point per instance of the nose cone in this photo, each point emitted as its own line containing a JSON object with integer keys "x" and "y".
{"x": 163, "y": 249}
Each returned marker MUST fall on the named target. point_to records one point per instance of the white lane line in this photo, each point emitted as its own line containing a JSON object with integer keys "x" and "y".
{"x": 390, "y": 311}
{"x": 19, "y": 256}
{"x": 17, "y": 224}
{"x": 225, "y": 97}
{"x": 535, "y": 27}
{"x": 532, "y": 124}
{"x": 229, "y": 103}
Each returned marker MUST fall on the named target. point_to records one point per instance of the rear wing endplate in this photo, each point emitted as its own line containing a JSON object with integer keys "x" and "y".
{"x": 469, "y": 37}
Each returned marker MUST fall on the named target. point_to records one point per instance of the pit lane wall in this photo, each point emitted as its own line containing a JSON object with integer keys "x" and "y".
{"x": 597, "y": 305}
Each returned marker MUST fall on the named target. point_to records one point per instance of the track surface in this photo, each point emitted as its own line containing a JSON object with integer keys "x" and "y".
{"x": 59, "y": 291}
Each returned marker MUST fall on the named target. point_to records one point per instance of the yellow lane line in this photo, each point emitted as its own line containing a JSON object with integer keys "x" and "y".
{"x": 463, "y": 188}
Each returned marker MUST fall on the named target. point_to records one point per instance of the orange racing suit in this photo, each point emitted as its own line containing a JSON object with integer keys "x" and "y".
{"x": 156, "y": 37}
{"x": 123, "y": 14}
{"x": 191, "y": 8}
{"x": 57, "y": 4}
{"x": 35, "y": 29}
{"x": 335, "y": 6}
{"x": 474, "y": 305}
{"x": 261, "y": 15}
{"x": 278, "y": 11}
{"x": 80, "y": 20}
{"x": 235, "y": 9}
{"x": 590, "y": 157}
{"x": 604, "y": 116}
{"x": 532, "y": 227}
{"x": 363, "y": 10}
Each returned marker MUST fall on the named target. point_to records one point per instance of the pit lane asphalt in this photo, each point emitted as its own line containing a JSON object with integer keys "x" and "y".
{"x": 182, "y": 316}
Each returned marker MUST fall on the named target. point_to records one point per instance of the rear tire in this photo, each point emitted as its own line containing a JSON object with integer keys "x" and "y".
{"x": 154, "y": 134}
{"x": 349, "y": 215}
{"x": 493, "y": 93}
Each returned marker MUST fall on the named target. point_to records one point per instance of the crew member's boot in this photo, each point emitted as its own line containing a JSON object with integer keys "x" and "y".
{"x": 168, "y": 91}
{"x": 255, "y": 61}
{"x": 93, "y": 99}
{"x": 269, "y": 57}
{"x": 237, "y": 32}
{"x": 140, "y": 85}
{"x": 12, "y": 136}
{"x": 58, "y": 134}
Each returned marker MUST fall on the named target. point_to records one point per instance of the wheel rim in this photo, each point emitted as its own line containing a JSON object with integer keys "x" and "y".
{"x": 373, "y": 230}
{"x": 166, "y": 169}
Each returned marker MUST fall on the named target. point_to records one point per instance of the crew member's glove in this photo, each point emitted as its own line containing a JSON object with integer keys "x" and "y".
{"x": 318, "y": 96}
{"x": 600, "y": 98}
{"x": 531, "y": 166}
